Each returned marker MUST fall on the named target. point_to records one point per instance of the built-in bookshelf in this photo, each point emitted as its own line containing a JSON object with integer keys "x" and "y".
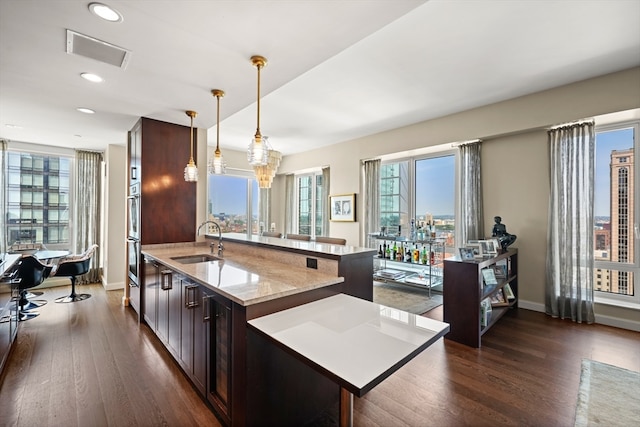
{"x": 477, "y": 293}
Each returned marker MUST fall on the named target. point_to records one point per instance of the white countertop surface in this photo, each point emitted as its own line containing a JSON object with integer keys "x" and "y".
{"x": 355, "y": 342}
{"x": 298, "y": 245}
{"x": 243, "y": 279}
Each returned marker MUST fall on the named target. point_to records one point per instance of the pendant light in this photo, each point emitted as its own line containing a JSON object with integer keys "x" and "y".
{"x": 217, "y": 165}
{"x": 258, "y": 152}
{"x": 191, "y": 170}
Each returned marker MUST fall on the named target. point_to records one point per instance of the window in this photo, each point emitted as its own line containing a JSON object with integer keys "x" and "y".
{"x": 310, "y": 204}
{"x": 616, "y": 228}
{"x": 38, "y": 199}
{"x": 422, "y": 189}
{"x": 232, "y": 202}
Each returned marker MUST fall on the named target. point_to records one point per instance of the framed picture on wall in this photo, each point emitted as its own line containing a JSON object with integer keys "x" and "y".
{"x": 342, "y": 207}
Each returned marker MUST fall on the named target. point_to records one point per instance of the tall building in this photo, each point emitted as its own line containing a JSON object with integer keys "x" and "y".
{"x": 622, "y": 218}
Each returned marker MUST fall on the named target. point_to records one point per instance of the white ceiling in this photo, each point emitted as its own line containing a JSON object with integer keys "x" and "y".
{"x": 337, "y": 70}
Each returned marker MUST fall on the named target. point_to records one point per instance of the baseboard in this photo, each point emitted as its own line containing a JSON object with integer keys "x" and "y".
{"x": 616, "y": 322}
{"x": 112, "y": 286}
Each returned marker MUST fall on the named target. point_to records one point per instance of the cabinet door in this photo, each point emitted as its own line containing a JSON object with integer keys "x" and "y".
{"x": 175, "y": 315}
{"x": 190, "y": 302}
{"x": 166, "y": 283}
{"x": 201, "y": 321}
{"x": 220, "y": 357}
{"x": 151, "y": 290}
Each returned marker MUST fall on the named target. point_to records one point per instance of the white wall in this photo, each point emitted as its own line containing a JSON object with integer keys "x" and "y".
{"x": 115, "y": 258}
{"x": 515, "y": 164}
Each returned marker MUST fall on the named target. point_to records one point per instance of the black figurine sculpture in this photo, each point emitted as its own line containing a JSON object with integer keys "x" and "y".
{"x": 500, "y": 231}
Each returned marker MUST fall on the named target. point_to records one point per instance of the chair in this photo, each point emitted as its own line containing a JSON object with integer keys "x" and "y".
{"x": 304, "y": 237}
{"x": 31, "y": 273}
{"x": 271, "y": 234}
{"x": 73, "y": 266}
{"x": 331, "y": 240}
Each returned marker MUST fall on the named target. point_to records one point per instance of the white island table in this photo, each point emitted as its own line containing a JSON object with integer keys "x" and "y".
{"x": 355, "y": 343}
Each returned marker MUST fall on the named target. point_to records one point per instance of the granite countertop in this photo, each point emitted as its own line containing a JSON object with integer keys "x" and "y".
{"x": 326, "y": 250}
{"x": 243, "y": 279}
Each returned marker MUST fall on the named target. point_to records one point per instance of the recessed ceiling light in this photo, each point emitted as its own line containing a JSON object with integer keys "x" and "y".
{"x": 92, "y": 77}
{"x": 105, "y": 12}
{"x": 11, "y": 126}
{"x": 85, "y": 110}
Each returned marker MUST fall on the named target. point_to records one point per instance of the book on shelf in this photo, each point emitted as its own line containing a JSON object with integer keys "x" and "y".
{"x": 489, "y": 277}
{"x": 485, "y": 312}
{"x": 389, "y": 273}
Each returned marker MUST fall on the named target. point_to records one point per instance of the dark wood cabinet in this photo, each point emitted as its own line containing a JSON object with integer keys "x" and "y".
{"x": 464, "y": 290}
{"x": 151, "y": 289}
{"x": 174, "y": 316}
{"x": 166, "y": 205}
{"x": 219, "y": 387}
{"x": 166, "y": 284}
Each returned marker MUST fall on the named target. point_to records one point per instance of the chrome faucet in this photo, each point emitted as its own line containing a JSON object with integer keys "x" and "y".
{"x": 220, "y": 246}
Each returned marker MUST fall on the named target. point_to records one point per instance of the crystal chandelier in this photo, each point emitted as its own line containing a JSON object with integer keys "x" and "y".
{"x": 191, "y": 170}
{"x": 266, "y": 173}
{"x": 217, "y": 165}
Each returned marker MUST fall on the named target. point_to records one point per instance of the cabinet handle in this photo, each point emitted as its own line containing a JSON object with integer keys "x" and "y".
{"x": 167, "y": 281}
{"x": 206, "y": 309}
{"x": 188, "y": 302}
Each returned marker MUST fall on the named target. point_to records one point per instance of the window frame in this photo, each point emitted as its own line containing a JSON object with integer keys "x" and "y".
{"x": 609, "y": 298}
{"x": 313, "y": 212}
{"x": 430, "y": 153}
{"x": 251, "y": 181}
{"x": 45, "y": 151}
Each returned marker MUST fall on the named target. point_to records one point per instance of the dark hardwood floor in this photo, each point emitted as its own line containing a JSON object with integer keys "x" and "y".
{"x": 90, "y": 364}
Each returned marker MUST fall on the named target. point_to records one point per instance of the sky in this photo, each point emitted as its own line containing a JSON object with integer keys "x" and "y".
{"x": 232, "y": 198}
{"x": 435, "y": 182}
{"x": 605, "y": 143}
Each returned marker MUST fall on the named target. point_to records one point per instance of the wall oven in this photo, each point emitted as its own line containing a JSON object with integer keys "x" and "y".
{"x": 133, "y": 248}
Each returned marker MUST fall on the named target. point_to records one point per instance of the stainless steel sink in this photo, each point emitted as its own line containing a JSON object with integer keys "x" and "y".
{"x": 194, "y": 259}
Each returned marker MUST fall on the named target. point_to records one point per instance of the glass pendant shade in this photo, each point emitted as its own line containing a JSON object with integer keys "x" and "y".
{"x": 191, "y": 170}
{"x": 258, "y": 152}
{"x": 217, "y": 165}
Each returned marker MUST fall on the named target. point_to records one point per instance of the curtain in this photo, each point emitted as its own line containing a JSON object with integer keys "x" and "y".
{"x": 371, "y": 199}
{"x": 289, "y": 203}
{"x": 471, "y": 211}
{"x": 570, "y": 258}
{"x": 326, "y": 191}
{"x": 3, "y": 199}
{"x": 264, "y": 209}
{"x": 88, "y": 209}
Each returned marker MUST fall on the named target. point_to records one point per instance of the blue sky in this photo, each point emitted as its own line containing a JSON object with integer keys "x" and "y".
{"x": 435, "y": 182}
{"x": 232, "y": 199}
{"x": 605, "y": 143}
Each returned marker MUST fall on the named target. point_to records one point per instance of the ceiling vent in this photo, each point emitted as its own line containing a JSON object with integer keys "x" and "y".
{"x": 79, "y": 44}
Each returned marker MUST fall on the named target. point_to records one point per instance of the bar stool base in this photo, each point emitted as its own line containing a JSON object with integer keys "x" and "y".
{"x": 73, "y": 298}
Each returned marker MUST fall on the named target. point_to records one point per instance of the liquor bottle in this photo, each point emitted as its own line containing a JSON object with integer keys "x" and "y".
{"x": 384, "y": 250}
{"x": 394, "y": 251}
{"x": 400, "y": 254}
{"x": 416, "y": 255}
{"x": 432, "y": 257}
{"x": 380, "y": 252}
{"x": 407, "y": 254}
{"x": 388, "y": 254}
{"x": 423, "y": 256}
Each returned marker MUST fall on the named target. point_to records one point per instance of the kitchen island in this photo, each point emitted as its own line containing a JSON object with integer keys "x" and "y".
{"x": 198, "y": 304}
{"x": 201, "y": 306}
